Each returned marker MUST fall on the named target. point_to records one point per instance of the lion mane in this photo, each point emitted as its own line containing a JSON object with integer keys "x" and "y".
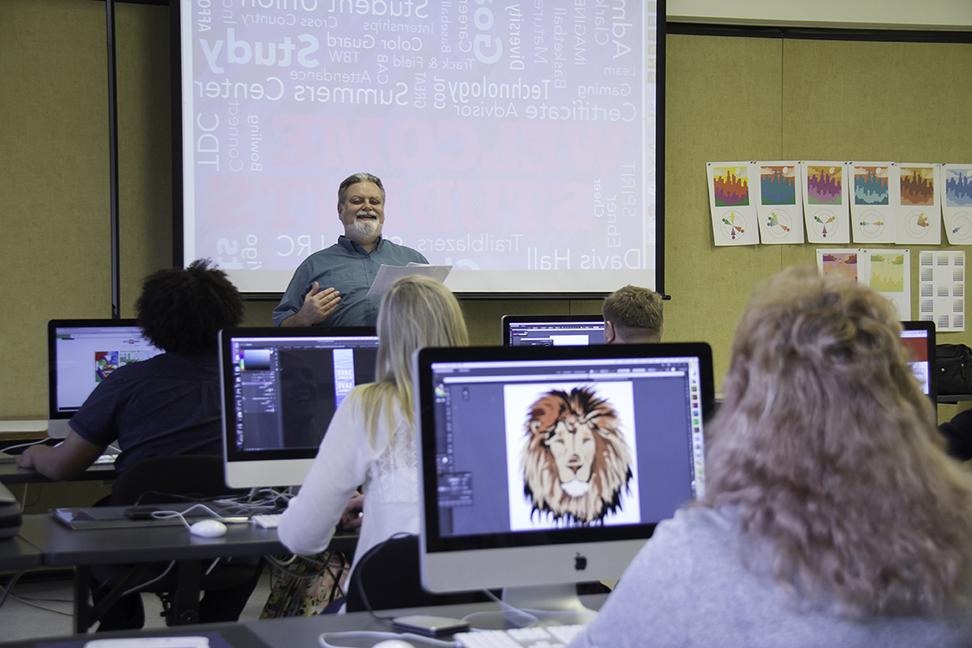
{"x": 611, "y": 467}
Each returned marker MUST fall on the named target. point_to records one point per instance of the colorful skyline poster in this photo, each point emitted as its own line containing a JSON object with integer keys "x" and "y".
{"x": 941, "y": 289}
{"x": 957, "y": 203}
{"x": 732, "y": 203}
{"x": 779, "y": 203}
{"x": 825, "y": 208}
{"x": 874, "y": 196}
{"x": 887, "y": 271}
{"x": 919, "y": 215}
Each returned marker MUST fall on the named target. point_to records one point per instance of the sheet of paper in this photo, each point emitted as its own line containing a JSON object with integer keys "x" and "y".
{"x": 919, "y": 219}
{"x": 886, "y": 271}
{"x": 957, "y": 203}
{"x": 825, "y": 200}
{"x": 779, "y": 203}
{"x": 731, "y": 204}
{"x": 941, "y": 289}
{"x": 872, "y": 204}
{"x": 387, "y": 275}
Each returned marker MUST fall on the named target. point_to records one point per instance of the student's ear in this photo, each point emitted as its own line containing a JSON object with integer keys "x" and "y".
{"x": 609, "y": 334}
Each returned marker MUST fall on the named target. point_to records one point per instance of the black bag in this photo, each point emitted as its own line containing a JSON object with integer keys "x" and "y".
{"x": 954, "y": 362}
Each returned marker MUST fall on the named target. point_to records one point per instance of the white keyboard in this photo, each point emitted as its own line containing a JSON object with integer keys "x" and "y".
{"x": 266, "y": 520}
{"x": 536, "y": 637}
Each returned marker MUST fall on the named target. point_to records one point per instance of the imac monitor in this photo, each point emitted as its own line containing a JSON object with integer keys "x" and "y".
{"x": 280, "y": 388}
{"x": 82, "y": 353}
{"x": 552, "y": 330}
{"x": 548, "y": 466}
{"x": 919, "y": 340}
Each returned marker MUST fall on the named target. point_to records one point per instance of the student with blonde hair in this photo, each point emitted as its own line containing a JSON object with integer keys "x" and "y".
{"x": 832, "y": 516}
{"x": 371, "y": 439}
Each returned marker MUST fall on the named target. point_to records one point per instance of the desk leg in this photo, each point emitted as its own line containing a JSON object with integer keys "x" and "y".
{"x": 82, "y": 608}
{"x": 86, "y": 614}
{"x": 185, "y": 596}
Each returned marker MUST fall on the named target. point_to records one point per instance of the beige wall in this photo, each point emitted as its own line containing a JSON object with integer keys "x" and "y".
{"x": 727, "y": 98}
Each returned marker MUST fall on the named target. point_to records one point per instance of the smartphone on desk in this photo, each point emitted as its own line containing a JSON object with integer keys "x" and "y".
{"x": 428, "y": 625}
{"x": 141, "y": 512}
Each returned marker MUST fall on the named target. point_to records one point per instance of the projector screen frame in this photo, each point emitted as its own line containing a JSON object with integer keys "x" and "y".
{"x": 178, "y": 225}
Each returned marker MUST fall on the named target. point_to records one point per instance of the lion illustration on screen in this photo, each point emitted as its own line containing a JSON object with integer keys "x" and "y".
{"x": 575, "y": 461}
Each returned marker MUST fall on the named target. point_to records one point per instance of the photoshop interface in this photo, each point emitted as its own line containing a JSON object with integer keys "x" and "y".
{"x": 86, "y": 356}
{"x": 556, "y": 333}
{"x": 481, "y": 412}
{"x": 916, "y": 342}
{"x": 287, "y": 389}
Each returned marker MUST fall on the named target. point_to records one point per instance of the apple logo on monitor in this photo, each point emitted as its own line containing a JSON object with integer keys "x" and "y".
{"x": 580, "y": 562}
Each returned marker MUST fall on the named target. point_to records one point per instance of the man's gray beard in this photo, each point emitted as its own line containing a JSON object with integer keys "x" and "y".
{"x": 363, "y": 231}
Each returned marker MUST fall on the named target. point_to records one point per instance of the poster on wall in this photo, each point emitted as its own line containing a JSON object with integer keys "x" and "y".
{"x": 779, "y": 202}
{"x": 825, "y": 202}
{"x": 957, "y": 203}
{"x": 732, "y": 203}
{"x": 873, "y": 198}
{"x": 886, "y": 271}
{"x": 919, "y": 219}
{"x": 941, "y": 289}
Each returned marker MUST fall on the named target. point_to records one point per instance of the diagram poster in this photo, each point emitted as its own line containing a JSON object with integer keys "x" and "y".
{"x": 731, "y": 204}
{"x": 957, "y": 204}
{"x": 825, "y": 202}
{"x": 873, "y": 199}
{"x": 779, "y": 203}
{"x": 919, "y": 218}
{"x": 886, "y": 271}
{"x": 941, "y": 289}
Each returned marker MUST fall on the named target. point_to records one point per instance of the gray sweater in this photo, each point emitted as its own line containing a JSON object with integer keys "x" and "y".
{"x": 689, "y": 587}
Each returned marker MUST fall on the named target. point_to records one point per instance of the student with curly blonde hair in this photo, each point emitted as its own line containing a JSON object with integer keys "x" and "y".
{"x": 371, "y": 438}
{"x": 832, "y": 515}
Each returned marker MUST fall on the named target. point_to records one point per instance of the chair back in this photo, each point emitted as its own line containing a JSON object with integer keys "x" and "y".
{"x": 387, "y": 577}
{"x": 182, "y": 476}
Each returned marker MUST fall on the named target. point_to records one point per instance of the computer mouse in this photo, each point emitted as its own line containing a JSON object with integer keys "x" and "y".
{"x": 393, "y": 643}
{"x": 208, "y": 528}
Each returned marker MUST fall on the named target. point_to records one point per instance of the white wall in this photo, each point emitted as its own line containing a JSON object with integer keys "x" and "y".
{"x": 883, "y": 14}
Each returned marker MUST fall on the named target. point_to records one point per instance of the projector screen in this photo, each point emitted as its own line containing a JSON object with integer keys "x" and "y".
{"x": 519, "y": 142}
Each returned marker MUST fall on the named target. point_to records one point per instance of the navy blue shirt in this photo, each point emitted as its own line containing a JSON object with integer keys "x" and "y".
{"x": 349, "y": 268}
{"x": 166, "y": 405}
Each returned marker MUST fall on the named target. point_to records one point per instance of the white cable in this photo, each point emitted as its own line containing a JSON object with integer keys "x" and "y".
{"x": 149, "y": 582}
{"x": 323, "y": 640}
{"x": 22, "y": 445}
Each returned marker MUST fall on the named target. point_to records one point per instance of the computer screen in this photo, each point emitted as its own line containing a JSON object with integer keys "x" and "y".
{"x": 552, "y": 465}
{"x": 552, "y": 330}
{"x": 280, "y": 389}
{"x": 81, "y": 354}
{"x": 919, "y": 340}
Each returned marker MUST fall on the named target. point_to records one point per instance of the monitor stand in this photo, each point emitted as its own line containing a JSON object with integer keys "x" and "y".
{"x": 560, "y": 600}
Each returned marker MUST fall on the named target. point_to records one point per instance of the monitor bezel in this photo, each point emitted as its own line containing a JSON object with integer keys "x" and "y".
{"x": 929, "y": 328}
{"x": 52, "y": 370}
{"x": 266, "y": 467}
{"x": 527, "y": 319}
{"x": 431, "y": 540}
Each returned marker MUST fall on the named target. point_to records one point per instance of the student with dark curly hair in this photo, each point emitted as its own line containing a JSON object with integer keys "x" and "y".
{"x": 169, "y": 404}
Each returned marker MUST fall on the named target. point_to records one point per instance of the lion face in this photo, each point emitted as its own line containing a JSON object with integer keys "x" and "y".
{"x": 575, "y": 461}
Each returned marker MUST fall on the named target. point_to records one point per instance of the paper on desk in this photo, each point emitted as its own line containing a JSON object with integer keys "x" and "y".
{"x": 387, "y": 275}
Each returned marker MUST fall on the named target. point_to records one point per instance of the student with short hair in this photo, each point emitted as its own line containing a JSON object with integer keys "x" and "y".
{"x": 632, "y": 315}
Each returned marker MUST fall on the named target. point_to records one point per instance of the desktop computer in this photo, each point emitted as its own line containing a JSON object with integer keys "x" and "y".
{"x": 552, "y": 330}
{"x": 82, "y": 353}
{"x": 280, "y": 388}
{"x": 919, "y": 339}
{"x": 546, "y": 466}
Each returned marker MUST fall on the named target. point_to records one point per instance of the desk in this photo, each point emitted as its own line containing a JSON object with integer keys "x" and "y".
{"x": 953, "y": 399}
{"x": 16, "y": 554}
{"x": 11, "y": 474}
{"x": 62, "y": 546}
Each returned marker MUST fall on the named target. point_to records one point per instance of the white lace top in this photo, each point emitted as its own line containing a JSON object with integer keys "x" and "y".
{"x": 388, "y": 469}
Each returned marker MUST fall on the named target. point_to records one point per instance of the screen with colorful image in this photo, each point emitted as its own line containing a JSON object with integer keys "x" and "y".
{"x": 919, "y": 340}
{"x": 547, "y": 445}
{"x": 518, "y": 142}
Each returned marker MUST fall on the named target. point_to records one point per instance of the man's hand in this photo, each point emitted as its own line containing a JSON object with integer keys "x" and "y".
{"x": 351, "y": 518}
{"x": 318, "y": 304}
{"x": 26, "y": 458}
{"x": 66, "y": 460}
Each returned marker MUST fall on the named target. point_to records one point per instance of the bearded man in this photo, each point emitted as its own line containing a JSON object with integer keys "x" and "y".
{"x": 330, "y": 286}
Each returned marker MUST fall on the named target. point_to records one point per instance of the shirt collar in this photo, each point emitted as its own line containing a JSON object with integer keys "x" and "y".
{"x": 351, "y": 246}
